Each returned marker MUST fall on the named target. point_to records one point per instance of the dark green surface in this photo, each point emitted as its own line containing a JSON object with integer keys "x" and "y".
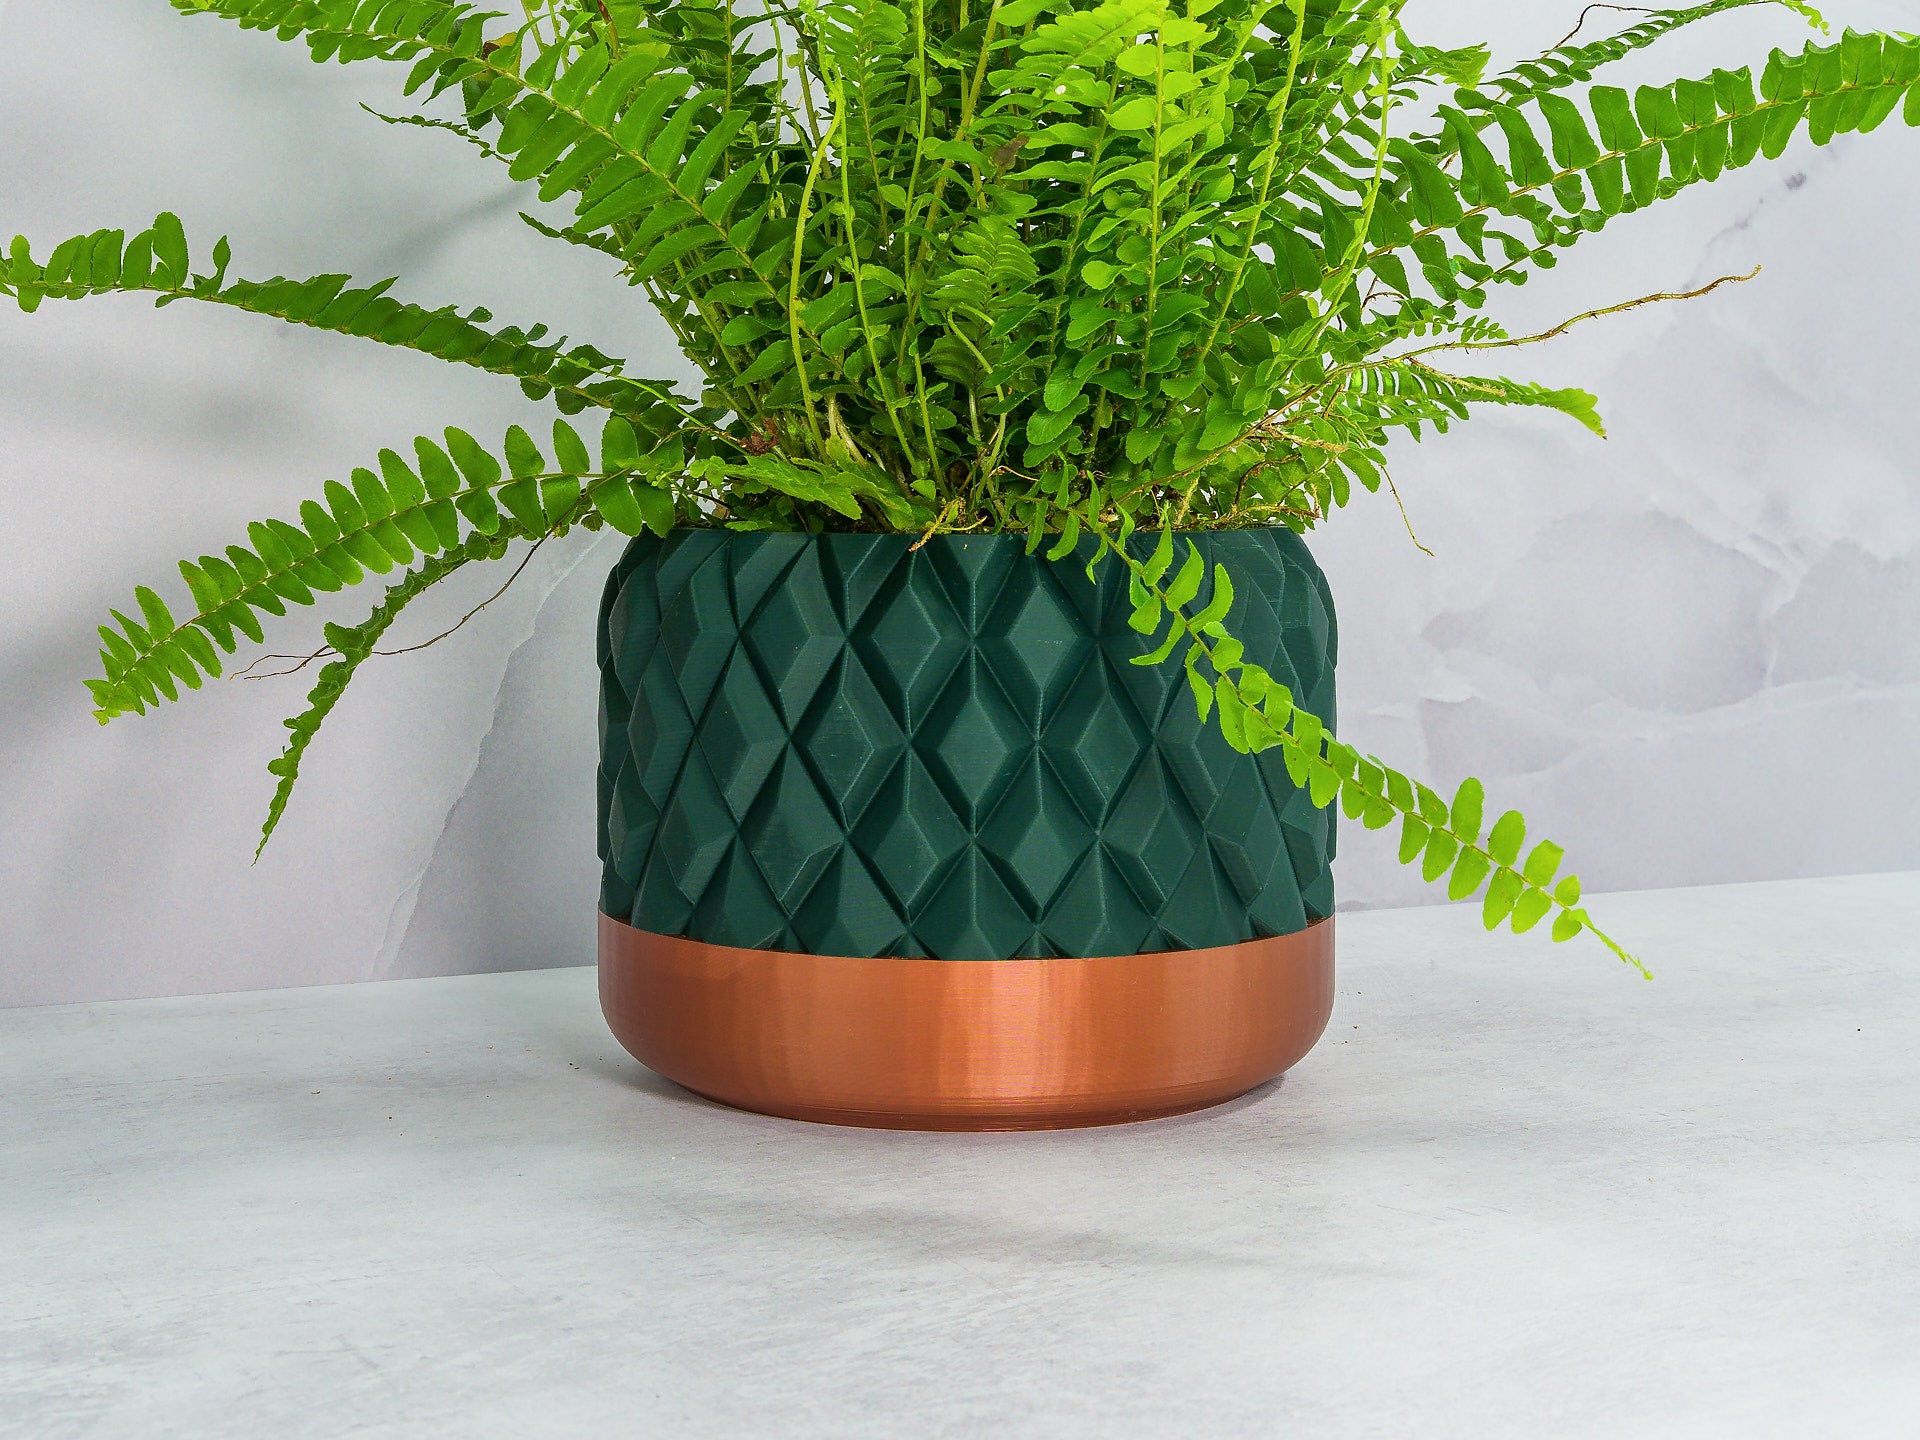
{"x": 835, "y": 745}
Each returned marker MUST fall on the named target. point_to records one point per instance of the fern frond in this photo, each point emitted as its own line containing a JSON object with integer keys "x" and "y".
{"x": 1569, "y": 168}
{"x": 156, "y": 262}
{"x": 354, "y": 644}
{"x": 430, "y": 507}
{"x": 987, "y": 262}
{"x": 1257, "y": 712}
{"x": 1405, "y": 393}
{"x": 429, "y": 122}
{"x": 1568, "y": 64}
{"x": 668, "y": 171}
{"x": 866, "y": 44}
{"x": 844, "y": 487}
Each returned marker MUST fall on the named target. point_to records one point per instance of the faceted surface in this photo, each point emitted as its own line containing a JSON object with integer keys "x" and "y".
{"x": 841, "y": 746}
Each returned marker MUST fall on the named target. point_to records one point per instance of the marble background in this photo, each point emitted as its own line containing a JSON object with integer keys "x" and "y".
{"x": 1691, "y": 652}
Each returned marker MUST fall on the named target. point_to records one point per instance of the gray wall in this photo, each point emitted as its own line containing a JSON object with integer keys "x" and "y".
{"x": 1688, "y": 651}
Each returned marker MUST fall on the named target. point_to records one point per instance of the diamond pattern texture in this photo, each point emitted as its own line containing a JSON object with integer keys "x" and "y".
{"x": 838, "y": 745}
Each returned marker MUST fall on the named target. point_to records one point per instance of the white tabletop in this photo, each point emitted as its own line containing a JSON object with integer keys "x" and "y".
{"x": 1516, "y": 1191}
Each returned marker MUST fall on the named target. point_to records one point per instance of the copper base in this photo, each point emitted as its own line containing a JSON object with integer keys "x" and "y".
{"x": 966, "y": 1044}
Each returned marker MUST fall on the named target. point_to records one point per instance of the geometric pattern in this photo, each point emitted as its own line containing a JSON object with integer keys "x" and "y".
{"x": 840, "y": 745}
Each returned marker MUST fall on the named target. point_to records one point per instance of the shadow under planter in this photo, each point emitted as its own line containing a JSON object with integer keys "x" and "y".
{"x": 912, "y": 818}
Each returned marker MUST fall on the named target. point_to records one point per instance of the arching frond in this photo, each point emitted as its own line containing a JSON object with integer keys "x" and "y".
{"x": 156, "y": 262}
{"x": 426, "y": 507}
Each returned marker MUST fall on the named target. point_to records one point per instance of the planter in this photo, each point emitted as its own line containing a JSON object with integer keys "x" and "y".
{"x": 899, "y": 836}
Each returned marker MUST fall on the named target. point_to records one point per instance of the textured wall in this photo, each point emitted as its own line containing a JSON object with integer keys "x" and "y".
{"x": 1689, "y": 651}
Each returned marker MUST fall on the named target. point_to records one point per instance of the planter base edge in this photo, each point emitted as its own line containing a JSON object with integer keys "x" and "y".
{"x": 966, "y": 1044}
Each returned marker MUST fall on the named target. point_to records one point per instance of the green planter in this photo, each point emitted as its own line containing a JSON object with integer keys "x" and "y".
{"x": 842, "y": 745}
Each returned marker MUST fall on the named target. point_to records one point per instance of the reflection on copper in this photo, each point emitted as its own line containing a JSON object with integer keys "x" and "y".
{"x": 966, "y": 1044}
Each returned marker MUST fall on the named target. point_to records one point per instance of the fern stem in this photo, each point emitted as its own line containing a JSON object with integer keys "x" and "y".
{"x": 887, "y": 394}
{"x": 793, "y": 281}
{"x": 1269, "y": 161}
{"x": 1564, "y": 326}
{"x": 354, "y": 646}
{"x": 1153, "y": 198}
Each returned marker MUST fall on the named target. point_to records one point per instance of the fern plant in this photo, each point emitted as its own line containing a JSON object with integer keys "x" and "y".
{"x": 1090, "y": 271}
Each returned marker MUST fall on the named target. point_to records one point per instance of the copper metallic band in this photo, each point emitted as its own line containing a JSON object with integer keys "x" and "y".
{"x": 966, "y": 1044}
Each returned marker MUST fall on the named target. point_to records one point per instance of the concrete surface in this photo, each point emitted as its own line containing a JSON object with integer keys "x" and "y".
{"x": 1515, "y": 1192}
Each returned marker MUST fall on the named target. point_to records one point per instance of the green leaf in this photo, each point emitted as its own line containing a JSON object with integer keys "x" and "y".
{"x": 404, "y": 488}
{"x": 619, "y": 446}
{"x": 1464, "y": 813}
{"x": 154, "y": 611}
{"x": 522, "y": 500}
{"x": 1146, "y": 616}
{"x": 1069, "y": 538}
{"x": 1530, "y": 909}
{"x": 1157, "y": 564}
{"x": 1573, "y": 147}
{"x": 1399, "y": 788}
{"x": 1186, "y": 584}
{"x": 476, "y": 464}
{"x": 1468, "y": 871}
{"x": 616, "y": 500}
{"x": 524, "y": 459}
{"x": 1261, "y": 733}
{"x": 1220, "y": 603}
{"x": 570, "y": 451}
{"x": 1440, "y": 853}
{"x": 169, "y": 251}
{"x": 1413, "y": 838}
{"x": 1503, "y": 893}
{"x": 1174, "y": 634}
{"x": 1232, "y": 715}
{"x": 1542, "y": 863}
{"x": 1308, "y": 733}
{"x": 1323, "y": 784}
{"x": 1509, "y": 833}
{"x": 1202, "y": 693}
{"x": 657, "y": 505}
